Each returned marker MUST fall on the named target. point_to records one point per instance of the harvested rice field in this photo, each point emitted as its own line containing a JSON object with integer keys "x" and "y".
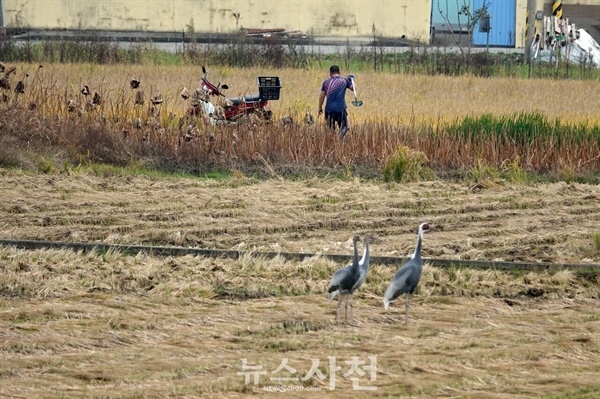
{"x": 493, "y": 220}
{"x": 108, "y": 325}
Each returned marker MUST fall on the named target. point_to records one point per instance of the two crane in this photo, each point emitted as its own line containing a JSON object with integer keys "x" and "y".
{"x": 351, "y": 277}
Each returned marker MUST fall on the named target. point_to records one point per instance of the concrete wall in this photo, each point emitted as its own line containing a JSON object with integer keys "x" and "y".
{"x": 521, "y": 24}
{"x": 393, "y": 18}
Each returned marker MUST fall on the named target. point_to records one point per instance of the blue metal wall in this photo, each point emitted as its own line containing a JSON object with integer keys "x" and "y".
{"x": 503, "y": 20}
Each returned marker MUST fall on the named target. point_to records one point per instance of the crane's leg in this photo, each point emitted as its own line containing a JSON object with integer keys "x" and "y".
{"x": 337, "y": 312}
{"x": 349, "y": 302}
{"x": 346, "y": 308}
{"x": 407, "y": 307}
{"x": 351, "y": 306}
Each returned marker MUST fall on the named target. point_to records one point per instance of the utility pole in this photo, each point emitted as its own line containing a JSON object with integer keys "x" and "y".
{"x": 2, "y": 17}
{"x": 530, "y": 27}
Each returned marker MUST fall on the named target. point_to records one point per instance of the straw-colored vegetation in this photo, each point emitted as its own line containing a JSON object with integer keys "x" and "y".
{"x": 547, "y": 125}
{"x": 596, "y": 240}
{"x": 488, "y": 219}
{"x": 386, "y": 95}
{"x": 107, "y": 325}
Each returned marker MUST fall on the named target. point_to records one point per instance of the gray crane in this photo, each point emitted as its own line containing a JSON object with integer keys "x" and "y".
{"x": 406, "y": 279}
{"x": 364, "y": 268}
{"x": 344, "y": 280}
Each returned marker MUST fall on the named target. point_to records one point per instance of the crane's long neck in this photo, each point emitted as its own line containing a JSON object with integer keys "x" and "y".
{"x": 417, "y": 253}
{"x": 355, "y": 263}
{"x": 364, "y": 262}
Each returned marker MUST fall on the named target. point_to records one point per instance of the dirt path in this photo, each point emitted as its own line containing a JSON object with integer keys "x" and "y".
{"x": 545, "y": 223}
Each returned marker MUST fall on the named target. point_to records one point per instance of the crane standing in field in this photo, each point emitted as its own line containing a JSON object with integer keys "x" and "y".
{"x": 406, "y": 279}
{"x": 364, "y": 268}
{"x": 344, "y": 280}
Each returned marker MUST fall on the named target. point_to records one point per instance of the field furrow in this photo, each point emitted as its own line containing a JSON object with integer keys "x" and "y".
{"x": 545, "y": 222}
{"x": 106, "y": 325}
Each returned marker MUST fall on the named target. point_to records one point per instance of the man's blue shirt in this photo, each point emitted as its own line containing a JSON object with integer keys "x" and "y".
{"x": 335, "y": 90}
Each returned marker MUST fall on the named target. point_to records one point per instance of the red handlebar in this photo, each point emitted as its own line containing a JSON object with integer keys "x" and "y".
{"x": 212, "y": 89}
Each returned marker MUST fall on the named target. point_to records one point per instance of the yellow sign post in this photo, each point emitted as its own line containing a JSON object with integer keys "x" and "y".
{"x": 557, "y": 9}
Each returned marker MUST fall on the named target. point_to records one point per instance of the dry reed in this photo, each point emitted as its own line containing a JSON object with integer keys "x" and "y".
{"x": 117, "y": 130}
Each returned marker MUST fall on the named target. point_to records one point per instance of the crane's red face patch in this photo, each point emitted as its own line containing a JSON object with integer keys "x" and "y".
{"x": 425, "y": 227}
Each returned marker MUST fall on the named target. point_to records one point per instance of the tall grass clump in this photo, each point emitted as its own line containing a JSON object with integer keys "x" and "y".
{"x": 482, "y": 172}
{"x": 406, "y": 165}
{"x": 530, "y": 141}
{"x": 513, "y": 171}
{"x": 73, "y": 51}
{"x": 54, "y": 120}
{"x": 410, "y": 153}
{"x": 596, "y": 241}
{"x": 244, "y": 52}
{"x": 524, "y": 128}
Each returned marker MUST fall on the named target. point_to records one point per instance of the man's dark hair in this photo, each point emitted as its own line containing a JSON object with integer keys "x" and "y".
{"x": 334, "y": 69}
